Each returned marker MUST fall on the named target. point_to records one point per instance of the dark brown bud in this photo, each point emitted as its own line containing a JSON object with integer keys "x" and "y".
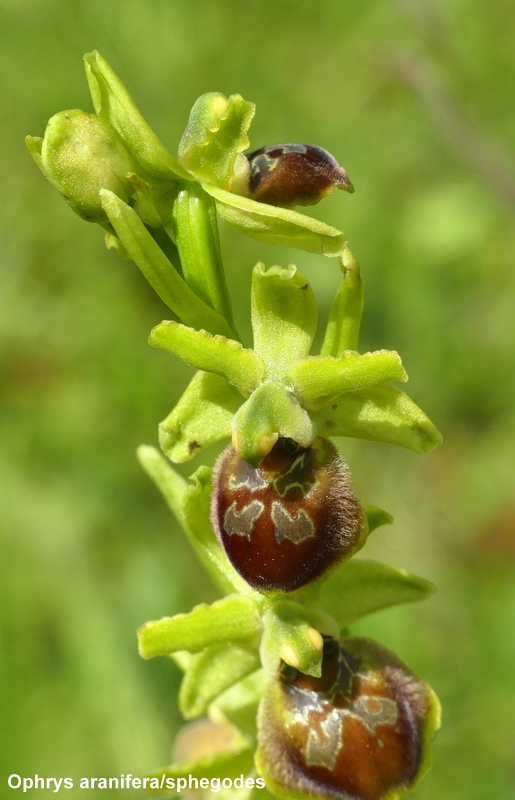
{"x": 284, "y": 524}
{"x": 294, "y": 175}
{"x": 359, "y": 732}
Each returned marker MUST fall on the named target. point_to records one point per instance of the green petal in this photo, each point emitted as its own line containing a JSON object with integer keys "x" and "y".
{"x": 380, "y": 414}
{"x": 284, "y": 317}
{"x": 342, "y": 330}
{"x": 293, "y": 634}
{"x": 113, "y": 102}
{"x": 360, "y": 587}
{"x": 210, "y": 673}
{"x": 242, "y": 368}
{"x": 234, "y": 618}
{"x": 202, "y": 416}
{"x": 158, "y": 270}
{"x": 319, "y": 379}
{"x": 216, "y": 133}
{"x": 270, "y": 412}
{"x": 275, "y": 225}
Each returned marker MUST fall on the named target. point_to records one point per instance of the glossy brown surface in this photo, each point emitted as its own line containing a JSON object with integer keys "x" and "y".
{"x": 294, "y": 174}
{"x": 285, "y": 523}
{"x": 356, "y": 732}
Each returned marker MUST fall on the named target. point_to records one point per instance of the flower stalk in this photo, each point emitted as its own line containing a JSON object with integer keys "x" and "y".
{"x": 314, "y": 710}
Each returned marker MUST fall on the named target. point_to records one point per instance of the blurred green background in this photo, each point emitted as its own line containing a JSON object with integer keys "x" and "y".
{"x": 415, "y": 98}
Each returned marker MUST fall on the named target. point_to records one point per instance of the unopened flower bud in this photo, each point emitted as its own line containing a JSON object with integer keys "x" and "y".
{"x": 285, "y": 523}
{"x": 81, "y": 154}
{"x": 294, "y": 174}
{"x": 359, "y": 732}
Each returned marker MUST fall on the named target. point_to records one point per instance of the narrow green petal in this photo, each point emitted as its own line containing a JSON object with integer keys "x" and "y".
{"x": 242, "y": 368}
{"x": 361, "y": 587}
{"x": 284, "y": 317}
{"x": 113, "y": 102}
{"x": 158, "y": 270}
{"x": 210, "y": 673}
{"x": 380, "y": 414}
{"x": 171, "y": 485}
{"x": 342, "y": 332}
{"x": 202, "y": 416}
{"x": 275, "y": 225}
{"x": 319, "y": 379}
{"x": 34, "y": 146}
{"x": 216, "y": 133}
{"x": 270, "y": 412}
{"x": 234, "y": 618}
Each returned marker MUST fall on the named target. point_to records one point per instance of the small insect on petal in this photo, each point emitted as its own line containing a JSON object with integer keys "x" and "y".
{"x": 284, "y": 524}
{"x": 359, "y": 732}
{"x": 294, "y": 174}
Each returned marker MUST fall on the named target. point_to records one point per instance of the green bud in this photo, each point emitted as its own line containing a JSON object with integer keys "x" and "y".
{"x": 82, "y": 154}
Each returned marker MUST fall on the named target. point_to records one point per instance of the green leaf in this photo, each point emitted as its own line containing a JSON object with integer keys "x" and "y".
{"x": 210, "y": 673}
{"x": 284, "y": 317}
{"x": 215, "y": 135}
{"x": 380, "y": 414}
{"x": 239, "y": 703}
{"x": 234, "y": 618}
{"x": 195, "y": 231}
{"x": 227, "y": 764}
{"x": 242, "y": 368}
{"x": 319, "y": 379}
{"x": 293, "y": 634}
{"x": 275, "y": 225}
{"x": 158, "y": 270}
{"x": 377, "y": 518}
{"x": 113, "y": 102}
{"x": 342, "y": 330}
{"x": 270, "y": 412}
{"x": 361, "y": 587}
{"x": 202, "y": 416}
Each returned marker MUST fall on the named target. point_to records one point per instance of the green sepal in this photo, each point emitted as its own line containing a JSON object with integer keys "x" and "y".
{"x": 320, "y": 379}
{"x": 377, "y": 518}
{"x": 361, "y": 587}
{"x": 210, "y": 673}
{"x": 190, "y": 503}
{"x": 234, "y": 618}
{"x": 153, "y": 201}
{"x": 380, "y": 414}
{"x": 239, "y": 703}
{"x": 158, "y": 269}
{"x": 342, "y": 332}
{"x": 293, "y": 633}
{"x": 284, "y": 317}
{"x": 279, "y": 226}
{"x": 195, "y": 231}
{"x": 227, "y": 764}
{"x": 215, "y": 135}
{"x": 113, "y": 102}
{"x": 223, "y": 356}
{"x": 34, "y": 146}
{"x": 270, "y": 412}
{"x": 202, "y": 416}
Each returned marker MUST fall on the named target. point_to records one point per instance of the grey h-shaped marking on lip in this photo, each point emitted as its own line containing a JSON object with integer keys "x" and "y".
{"x": 241, "y": 523}
{"x": 295, "y": 527}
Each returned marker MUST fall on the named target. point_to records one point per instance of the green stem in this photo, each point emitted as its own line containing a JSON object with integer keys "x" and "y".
{"x": 342, "y": 331}
{"x": 195, "y": 231}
